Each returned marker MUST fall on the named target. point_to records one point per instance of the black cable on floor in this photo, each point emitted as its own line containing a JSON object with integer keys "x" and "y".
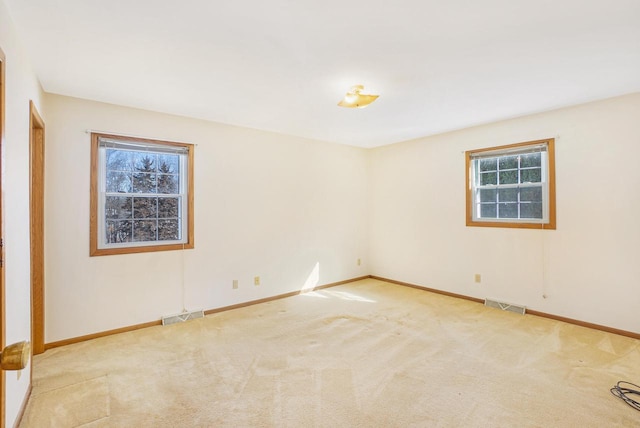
{"x": 622, "y": 391}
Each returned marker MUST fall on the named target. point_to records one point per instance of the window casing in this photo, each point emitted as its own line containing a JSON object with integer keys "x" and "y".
{"x": 512, "y": 186}
{"x": 141, "y": 195}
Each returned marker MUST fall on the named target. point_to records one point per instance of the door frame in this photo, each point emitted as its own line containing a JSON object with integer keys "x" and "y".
{"x": 2, "y": 294}
{"x": 36, "y": 227}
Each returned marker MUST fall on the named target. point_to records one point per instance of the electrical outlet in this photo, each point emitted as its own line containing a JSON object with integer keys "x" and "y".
{"x": 235, "y": 284}
{"x": 358, "y": 262}
{"x": 256, "y": 280}
{"x": 477, "y": 278}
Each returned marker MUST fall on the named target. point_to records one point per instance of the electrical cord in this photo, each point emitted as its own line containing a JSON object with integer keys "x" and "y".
{"x": 625, "y": 393}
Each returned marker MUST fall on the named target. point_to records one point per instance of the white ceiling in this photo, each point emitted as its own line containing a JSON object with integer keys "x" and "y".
{"x": 282, "y": 65}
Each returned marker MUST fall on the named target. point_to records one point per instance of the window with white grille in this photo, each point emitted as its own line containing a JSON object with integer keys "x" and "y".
{"x": 512, "y": 186}
{"x": 140, "y": 195}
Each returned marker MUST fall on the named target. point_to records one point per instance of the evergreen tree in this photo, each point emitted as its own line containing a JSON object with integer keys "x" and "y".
{"x": 166, "y": 180}
{"x": 144, "y": 179}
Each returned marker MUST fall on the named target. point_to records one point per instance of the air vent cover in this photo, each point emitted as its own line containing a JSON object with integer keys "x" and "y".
{"x": 505, "y": 306}
{"x": 185, "y": 316}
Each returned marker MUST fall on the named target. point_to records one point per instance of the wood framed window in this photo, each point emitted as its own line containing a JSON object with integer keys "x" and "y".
{"x": 141, "y": 195}
{"x": 512, "y": 186}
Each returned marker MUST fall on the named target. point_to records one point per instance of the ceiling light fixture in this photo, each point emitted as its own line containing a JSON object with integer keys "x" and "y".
{"x": 354, "y": 99}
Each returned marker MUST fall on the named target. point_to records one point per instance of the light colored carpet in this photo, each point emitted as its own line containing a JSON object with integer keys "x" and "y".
{"x": 364, "y": 354}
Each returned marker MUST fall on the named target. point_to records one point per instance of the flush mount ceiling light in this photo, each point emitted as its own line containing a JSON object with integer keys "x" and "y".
{"x": 354, "y": 99}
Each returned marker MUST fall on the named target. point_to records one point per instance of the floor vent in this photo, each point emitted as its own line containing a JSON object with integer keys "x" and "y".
{"x": 505, "y": 306}
{"x": 185, "y": 316}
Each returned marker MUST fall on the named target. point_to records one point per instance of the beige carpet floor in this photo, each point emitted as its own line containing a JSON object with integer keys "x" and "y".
{"x": 364, "y": 354}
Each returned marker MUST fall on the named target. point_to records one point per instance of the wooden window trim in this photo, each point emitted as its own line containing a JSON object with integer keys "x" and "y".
{"x": 550, "y": 225}
{"x": 93, "y": 215}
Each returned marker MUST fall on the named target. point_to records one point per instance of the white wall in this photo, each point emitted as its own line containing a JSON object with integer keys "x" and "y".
{"x": 21, "y": 86}
{"x": 588, "y": 268}
{"x": 266, "y": 205}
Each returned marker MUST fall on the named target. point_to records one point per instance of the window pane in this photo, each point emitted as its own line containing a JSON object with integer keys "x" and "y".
{"x": 144, "y": 230}
{"x": 487, "y": 178}
{"x": 488, "y": 210}
{"x": 508, "y": 210}
{"x": 533, "y": 159}
{"x": 145, "y": 207}
{"x": 533, "y": 194}
{"x": 488, "y": 164}
{"x": 530, "y": 175}
{"x": 169, "y": 164}
{"x": 168, "y": 207}
{"x": 508, "y": 195}
{"x": 118, "y": 182}
{"x": 144, "y": 182}
{"x": 118, "y": 207}
{"x": 118, "y": 231}
{"x": 118, "y": 160}
{"x": 168, "y": 230}
{"x": 531, "y": 210}
{"x": 168, "y": 183}
{"x": 488, "y": 195}
{"x": 144, "y": 162}
{"x": 509, "y": 177}
{"x": 509, "y": 162}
